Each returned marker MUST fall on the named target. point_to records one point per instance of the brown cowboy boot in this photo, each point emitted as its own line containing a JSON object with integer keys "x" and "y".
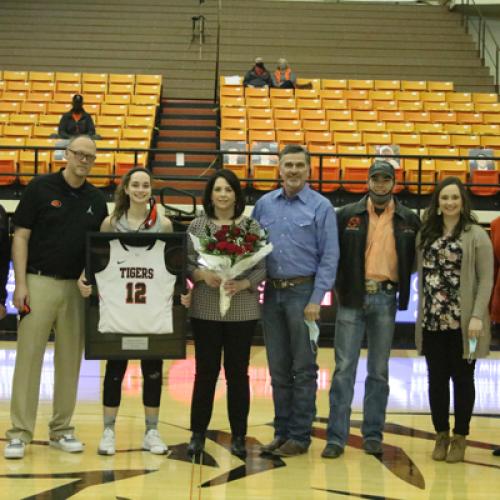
{"x": 457, "y": 449}
{"x": 441, "y": 446}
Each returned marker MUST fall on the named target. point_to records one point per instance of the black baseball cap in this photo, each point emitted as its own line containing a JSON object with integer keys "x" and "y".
{"x": 381, "y": 167}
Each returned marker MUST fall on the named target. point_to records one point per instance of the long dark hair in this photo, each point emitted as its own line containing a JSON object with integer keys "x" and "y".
{"x": 122, "y": 200}
{"x": 432, "y": 223}
{"x": 234, "y": 182}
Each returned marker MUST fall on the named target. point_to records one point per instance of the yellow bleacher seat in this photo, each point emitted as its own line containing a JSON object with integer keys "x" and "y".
{"x": 381, "y": 95}
{"x": 234, "y": 123}
{"x": 314, "y": 137}
{"x": 231, "y": 101}
{"x": 369, "y": 126}
{"x": 288, "y": 125}
{"x": 461, "y": 106}
{"x": 433, "y": 96}
{"x": 286, "y": 93}
{"x": 400, "y": 127}
{"x": 106, "y": 144}
{"x": 343, "y": 126}
{"x": 29, "y": 167}
{"x": 491, "y": 141}
{"x": 355, "y": 169}
{"x": 347, "y": 138}
{"x": 391, "y": 116}
{"x": 48, "y": 120}
{"x": 258, "y": 113}
{"x": 304, "y": 103}
{"x": 68, "y": 87}
{"x": 117, "y": 99}
{"x": 429, "y": 128}
{"x": 14, "y": 96}
{"x": 339, "y": 114}
{"x": 417, "y": 116}
{"x": 8, "y": 167}
{"x": 127, "y": 79}
{"x": 17, "y": 86}
{"x": 42, "y": 87}
{"x": 328, "y": 84}
{"x": 232, "y": 91}
{"x": 435, "y": 140}
{"x": 257, "y": 92}
{"x": 480, "y": 97}
{"x": 103, "y": 165}
{"x": 330, "y": 167}
{"x": 62, "y": 97}
{"x": 144, "y": 100}
{"x": 436, "y": 106}
{"x": 258, "y": 102}
{"x": 282, "y": 103}
{"x": 360, "y": 115}
{"x": 41, "y": 76}
{"x": 465, "y": 140}
{"x": 405, "y": 95}
{"x": 93, "y": 109}
{"x": 28, "y": 107}
{"x": 443, "y": 151}
{"x": 356, "y": 94}
{"x": 148, "y": 79}
{"x": 315, "y": 125}
{"x": 331, "y": 94}
{"x": 89, "y": 99}
{"x": 15, "y": 75}
{"x": 109, "y": 132}
{"x": 447, "y": 168}
{"x": 360, "y": 84}
{"x": 359, "y": 104}
{"x": 312, "y": 114}
{"x": 17, "y": 130}
{"x": 469, "y": 118}
{"x": 358, "y": 149}
{"x": 410, "y": 105}
{"x": 124, "y": 161}
{"x": 99, "y": 78}
{"x": 491, "y": 118}
{"x": 120, "y": 88}
{"x": 440, "y": 86}
{"x": 136, "y": 110}
{"x": 376, "y": 138}
{"x": 62, "y": 76}
{"x": 23, "y": 119}
{"x": 290, "y": 137}
{"x": 44, "y": 97}
{"x": 94, "y": 88}
{"x": 260, "y": 124}
{"x": 334, "y": 104}
{"x": 46, "y": 131}
{"x": 4, "y": 118}
{"x": 387, "y": 84}
{"x": 459, "y": 97}
{"x": 148, "y": 90}
{"x": 114, "y": 109}
{"x": 58, "y": 108}
{"x": 483, "y": 129}
{"x": 270, "y": 172}
{"x": 406, "y": 139}
{"x": 427, "y": 179}
{"x": 261, "y": 136}
{"x": 110, "y": 121}
{"x": 10, "y": 107}
{"x": 229, "y": 112}
{"x": 139, "y": 121}
{"x": 233, "y": 135}
{"x": 315, "y": 83}
{"x": 385, "y": 105}
{"x": 413, "y": 85}
{"x": 307, "y": 93}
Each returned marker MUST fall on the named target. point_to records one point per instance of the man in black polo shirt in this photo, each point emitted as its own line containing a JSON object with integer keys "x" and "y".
{"x": 54, "y": 215}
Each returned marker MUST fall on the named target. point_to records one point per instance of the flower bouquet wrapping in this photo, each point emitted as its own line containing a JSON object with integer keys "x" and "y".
{"x": 229, "y": 252}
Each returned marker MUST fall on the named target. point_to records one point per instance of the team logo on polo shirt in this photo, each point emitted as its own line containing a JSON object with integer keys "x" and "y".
{"x": 56, "y": 203}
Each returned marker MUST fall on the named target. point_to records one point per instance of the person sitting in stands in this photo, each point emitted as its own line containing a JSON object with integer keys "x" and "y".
{"x": 284, "y": 77}
{"x": 258, "y": 76}
{"x": 76, "y": 121}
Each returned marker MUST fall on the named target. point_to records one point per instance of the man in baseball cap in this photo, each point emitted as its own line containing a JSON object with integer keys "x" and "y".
{"x": 377, "y": 249}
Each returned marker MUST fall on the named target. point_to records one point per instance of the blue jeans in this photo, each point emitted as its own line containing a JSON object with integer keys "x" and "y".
{"x": 292, "y": 361}
{"x": 376, "y": 318}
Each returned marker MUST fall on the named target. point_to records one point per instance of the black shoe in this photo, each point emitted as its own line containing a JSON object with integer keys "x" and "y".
{"x": 273, "y": 445}
{"x": 496, "y": 452}
{"x": 332, "y": 450}
{"x": 197, "y": 443}
{"x": 238, "y": 446}
{"x": 373, "y": 447}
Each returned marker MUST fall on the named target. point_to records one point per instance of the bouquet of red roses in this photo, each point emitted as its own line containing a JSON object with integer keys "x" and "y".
{"x": 230, "y": 251}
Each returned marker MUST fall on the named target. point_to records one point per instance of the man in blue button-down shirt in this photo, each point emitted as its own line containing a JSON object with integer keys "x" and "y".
{"x": 302, "y": 227}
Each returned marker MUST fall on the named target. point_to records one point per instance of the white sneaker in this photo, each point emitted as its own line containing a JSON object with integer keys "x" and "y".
{"x": 14, "y": 449}
{"x": 67, "y": 443}
{"x": 154, "y": 443}
{"x": 107, "y": 443}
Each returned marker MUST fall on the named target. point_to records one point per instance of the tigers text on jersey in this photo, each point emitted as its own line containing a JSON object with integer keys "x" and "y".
{"x": 135, "y": 290}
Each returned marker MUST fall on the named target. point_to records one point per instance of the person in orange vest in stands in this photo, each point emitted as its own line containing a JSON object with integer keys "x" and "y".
{"x": 284, "y": 77}
{"x": 258, "y": 76}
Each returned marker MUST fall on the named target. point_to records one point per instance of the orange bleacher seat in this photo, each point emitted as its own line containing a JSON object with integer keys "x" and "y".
{"x": 330, "y": 168}
{"x": 41, "y": 76}
{"x": 312, "y": 114}
{"x": 436, "y": 106}
{"x": 333, "y": 84}
{"x": 27, "y": 165}
{"x": 259, "y": 124}
{"x": 374, "y": 138}
{"x": 286, "y": 114}
{"x": 443, "y": 117}
{"x": 469, "y": 118}
{"x": 427, "y": 179}
{"x": 233, "y": 135}
{"x": 257, "y": 92}
{"x": 283, "y": 103}
{"x": 258, "y": 113}
{"x": 339, "y": 115}
{"x": 347, "y": 138}
{"x": 406, "y": 139}
{"x": 8, "y": 167}
{"x": 447, "y": 168}
{"x": 229, "y": 112}
{"x": 144, "y": 100}
{"x": 417, "y": 116}
{"x": 103, "y": 165}
{"x": 359, "y": 104}
{"x": 288, "y": 125}
{"x": 404, "y": 95}
{"x": 117, "y": 99}
{"x": 440, "y": 86}
{"x": 42, "y": 87}
{"x": 128, "y": 79}
{"x": 444, "y": 151}
{"x": 286, "y": 93}
{"x": 355, "y": 169}
{"x": 387, "y": 84}
{"x": 290, "y": 137}
{"x": 484, "y": 177}
{"x": 307, "y": 93}
{"x": 429, "y": 128}
{"x": 385, "y": 105}
{"x": 313, "y": 137}
{"x": 234, "y": 123}
{"x": 400, "y": 127}
{"x": 261, "y": 136}
{"x": 93, "y": 109}
{"x": 136, "y": 110}
{"x": 120, "y": 89}
{"x": 10, "y": 107}
{"x": 334, "y": 104}
{"x": 124, "y": 161}
{"x": 15, "y": 75}
{"x": 110, "y": 121}
{"x": 356, "y": 94}
{"x": 413, "y": 85}
{"x": 410, "y": 105}
{"x": 343, "y": 126}
{"x": 262, "y": 172}
{"x": 62, "y": 76}
{"x": 363, "y": 126}
{"x": 360, "y": 115}
{"x": 28, "y": 107}
{"x": 458, "y": 128}
{"x": 232, "y": 91}
{"x": 435, "y": 140}
{"x": 235, "y": 159}
{"x": 114, "y": 109}
{"x": 315, "y": 125}
{"x": 458, "y": 96}
{"x": 433, "y": 96}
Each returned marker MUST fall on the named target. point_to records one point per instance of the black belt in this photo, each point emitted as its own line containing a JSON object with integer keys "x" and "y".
{"x": 39, "y": 272}
{"x": 373, "y": 286}
{"x": 281, "y": 284}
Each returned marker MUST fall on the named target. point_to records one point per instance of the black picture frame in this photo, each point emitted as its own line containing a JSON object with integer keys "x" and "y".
{"x": 136, "y": 346}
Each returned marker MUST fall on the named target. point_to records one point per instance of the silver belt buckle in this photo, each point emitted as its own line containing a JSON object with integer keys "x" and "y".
{"x": 371, "y": 286}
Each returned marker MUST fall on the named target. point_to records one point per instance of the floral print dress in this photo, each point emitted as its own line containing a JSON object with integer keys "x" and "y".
{"x": 441, "y": 269}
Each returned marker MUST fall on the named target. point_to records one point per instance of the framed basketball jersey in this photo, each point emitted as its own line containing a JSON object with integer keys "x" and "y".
{"x": 134, "y": 311}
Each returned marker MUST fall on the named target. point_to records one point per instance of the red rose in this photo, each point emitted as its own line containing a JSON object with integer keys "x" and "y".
{"x": 221, "y": 245}
{"x": 250, "y": 237}
{"x": 231, "y": 248}
{"x": 239, "y": 250}
{"x": 211, "y": 246}
{"x": 236, "y": 231}
{"x": 249, "y": 247}
{"x": 220, "y": 235}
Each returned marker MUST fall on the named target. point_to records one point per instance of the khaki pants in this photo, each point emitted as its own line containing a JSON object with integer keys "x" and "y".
{"x": 54, "y": 304}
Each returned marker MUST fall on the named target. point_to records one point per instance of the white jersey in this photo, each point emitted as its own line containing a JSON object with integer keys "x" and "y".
{"x": 135, "y": 290}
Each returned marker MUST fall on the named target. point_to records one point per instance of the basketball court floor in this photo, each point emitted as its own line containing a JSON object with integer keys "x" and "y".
{"x": 404, "y": 471}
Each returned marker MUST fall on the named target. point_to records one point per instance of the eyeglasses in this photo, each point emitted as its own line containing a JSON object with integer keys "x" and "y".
{"x": 81, "y": 156}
